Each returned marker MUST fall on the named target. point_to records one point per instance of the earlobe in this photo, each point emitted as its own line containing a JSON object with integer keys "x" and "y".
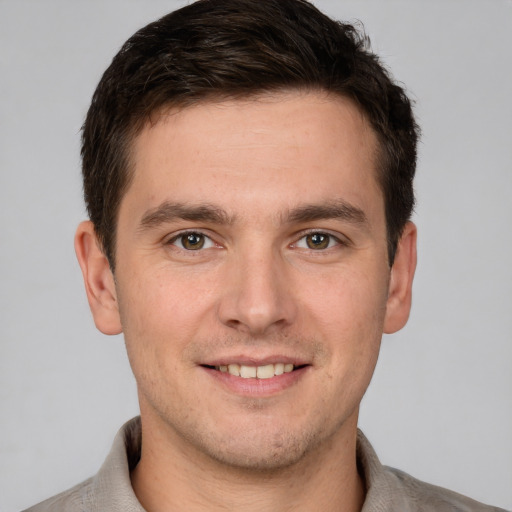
{"x": 399, "y": 300}
{"x": 98, "y": 280}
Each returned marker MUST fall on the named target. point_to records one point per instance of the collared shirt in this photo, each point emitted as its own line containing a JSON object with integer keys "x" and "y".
{"x": 387, "y": 489}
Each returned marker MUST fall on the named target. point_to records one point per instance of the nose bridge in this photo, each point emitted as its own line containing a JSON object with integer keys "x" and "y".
{"x": 257, "y": 297}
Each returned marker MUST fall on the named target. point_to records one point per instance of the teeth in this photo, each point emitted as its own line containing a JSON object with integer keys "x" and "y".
{"x": 261, "y": 372}
{"x": 265, "y": 372}
{"x": 279, "y": 369}
{"x": 234, "y": 369}
{"x": 247, "y": 372}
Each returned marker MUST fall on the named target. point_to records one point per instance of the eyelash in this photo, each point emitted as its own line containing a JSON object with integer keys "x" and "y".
{"x": 330, "y": 237}
{"x": 210, "y": 243}
{"x": 182, "y": 235}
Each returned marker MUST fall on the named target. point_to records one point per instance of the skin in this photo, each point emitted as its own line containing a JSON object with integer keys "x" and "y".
{"x": 254, "y": 180}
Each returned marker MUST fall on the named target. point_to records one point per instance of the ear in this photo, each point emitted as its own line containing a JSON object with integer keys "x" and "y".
{"x": 98, "y": 280}
{"x": 398, "y": 304}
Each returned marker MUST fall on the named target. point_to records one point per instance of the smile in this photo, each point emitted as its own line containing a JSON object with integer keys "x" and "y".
{"x": 261, "y": 379}
{"x": 266, "y": 371}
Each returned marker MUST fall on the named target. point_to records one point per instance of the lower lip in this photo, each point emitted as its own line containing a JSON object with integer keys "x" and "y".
{"x": 257, "y": 387}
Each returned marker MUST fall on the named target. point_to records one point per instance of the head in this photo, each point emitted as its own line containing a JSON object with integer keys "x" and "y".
{"x": 225, "y": 49}
{"x": 248, "y": 171}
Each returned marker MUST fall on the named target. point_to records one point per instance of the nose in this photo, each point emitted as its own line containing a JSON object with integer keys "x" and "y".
{"x": 258, "y": 296}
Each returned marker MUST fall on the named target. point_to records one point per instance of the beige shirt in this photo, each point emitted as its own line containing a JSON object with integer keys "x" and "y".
{"x": 387, "y": 489}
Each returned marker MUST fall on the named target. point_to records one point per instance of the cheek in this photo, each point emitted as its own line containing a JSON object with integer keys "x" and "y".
{"x": 160, "y": 316}
{"x": 350, "y": 302}
{"x": 163, "y": 301}
{"x": 350, "y": 314}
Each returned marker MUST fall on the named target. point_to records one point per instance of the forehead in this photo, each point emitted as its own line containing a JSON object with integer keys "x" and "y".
{"x": 267, "y": 148}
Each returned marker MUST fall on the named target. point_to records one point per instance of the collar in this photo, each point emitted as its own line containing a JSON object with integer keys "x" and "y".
{"x": 111, "y": 487}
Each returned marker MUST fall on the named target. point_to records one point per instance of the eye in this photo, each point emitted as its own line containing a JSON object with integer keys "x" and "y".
{"x": 192, "y": 241}
{"x": 317, "y": 241}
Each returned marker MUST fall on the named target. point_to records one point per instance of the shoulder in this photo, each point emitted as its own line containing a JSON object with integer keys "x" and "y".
{"x": 389, "y": 489}
{"x": 75, "y": 499}
{"x": 427, "y": 497}
{"x": 110, "y": 489}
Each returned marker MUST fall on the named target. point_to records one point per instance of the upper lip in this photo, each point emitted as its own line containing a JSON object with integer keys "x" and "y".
{"x": 252, "y": 360}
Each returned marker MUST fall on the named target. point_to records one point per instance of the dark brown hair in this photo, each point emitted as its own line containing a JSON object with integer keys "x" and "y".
{"x": 237, "y": 48}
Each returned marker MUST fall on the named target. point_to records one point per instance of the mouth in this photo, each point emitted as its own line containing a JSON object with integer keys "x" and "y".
{"x": 263, "y": 377}
{"x": 266, "y": 371}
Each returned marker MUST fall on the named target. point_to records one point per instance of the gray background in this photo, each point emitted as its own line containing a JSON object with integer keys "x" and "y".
{"x": 439, "y": 406}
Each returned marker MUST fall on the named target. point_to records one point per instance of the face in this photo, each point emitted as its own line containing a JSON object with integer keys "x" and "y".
{"x": 252, "y": 281}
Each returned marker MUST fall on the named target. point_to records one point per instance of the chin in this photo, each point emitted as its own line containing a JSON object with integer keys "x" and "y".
{"x": 260, "y": 451}
{"x": 270, "y": 459}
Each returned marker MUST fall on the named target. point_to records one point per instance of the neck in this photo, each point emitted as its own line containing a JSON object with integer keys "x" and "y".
{"x": 170, "y": 478}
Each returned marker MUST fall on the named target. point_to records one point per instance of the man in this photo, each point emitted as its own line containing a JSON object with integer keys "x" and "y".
{"x": 248, "y": 173}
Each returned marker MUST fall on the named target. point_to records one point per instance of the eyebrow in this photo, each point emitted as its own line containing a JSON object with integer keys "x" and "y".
{"x": 169, "y": 211}
{"x": 337, "y": 209}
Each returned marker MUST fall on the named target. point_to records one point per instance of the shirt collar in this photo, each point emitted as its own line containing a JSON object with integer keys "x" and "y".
{"x": 112, "y": 487}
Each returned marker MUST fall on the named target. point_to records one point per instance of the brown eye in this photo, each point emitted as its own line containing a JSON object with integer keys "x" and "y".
{"x": 318, "y": 241}
{"x": 191, "y": 241}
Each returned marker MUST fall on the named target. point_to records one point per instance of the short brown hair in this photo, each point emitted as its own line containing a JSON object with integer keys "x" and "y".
{"x": 237, "y": 48}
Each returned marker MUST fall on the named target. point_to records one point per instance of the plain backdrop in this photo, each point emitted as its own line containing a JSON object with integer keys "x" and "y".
{"x": 439, "y": 406}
